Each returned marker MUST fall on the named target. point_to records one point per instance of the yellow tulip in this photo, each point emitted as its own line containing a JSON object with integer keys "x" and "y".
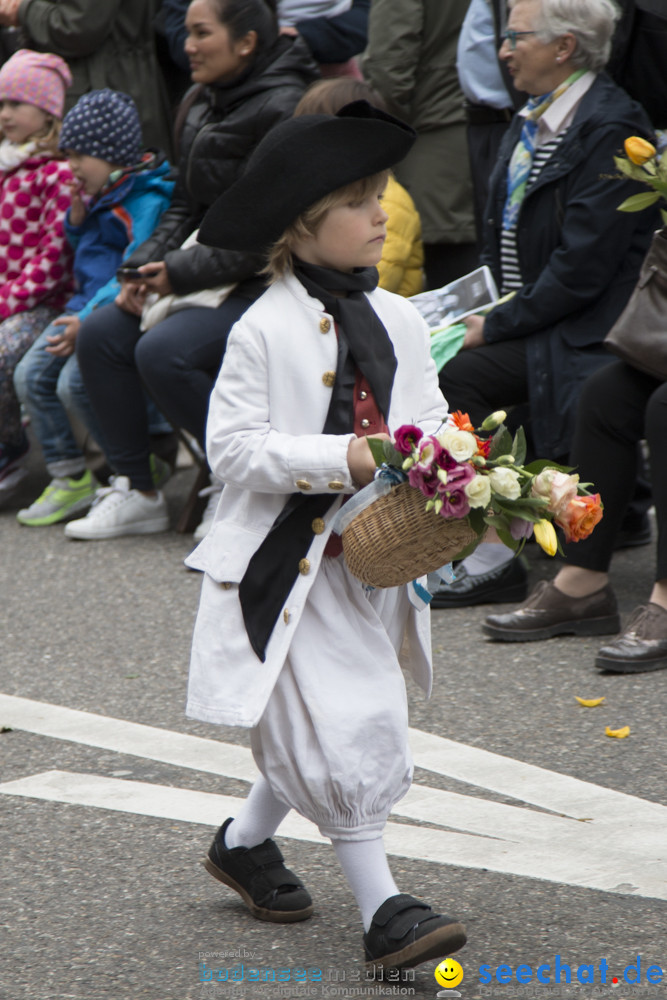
{"x": 638, "y": 150}
{"x": 545, "y": 536}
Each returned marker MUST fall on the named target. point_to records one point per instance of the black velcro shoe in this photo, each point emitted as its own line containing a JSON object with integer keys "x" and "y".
{"x": 405, "y": 932}
{"x": 269, "y": 890}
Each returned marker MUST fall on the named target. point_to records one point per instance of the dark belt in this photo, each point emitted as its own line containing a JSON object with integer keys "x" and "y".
{"x": 484, "y": 114}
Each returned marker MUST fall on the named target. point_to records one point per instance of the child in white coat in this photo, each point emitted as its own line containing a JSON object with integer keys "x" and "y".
{"x": 287, "y": 641}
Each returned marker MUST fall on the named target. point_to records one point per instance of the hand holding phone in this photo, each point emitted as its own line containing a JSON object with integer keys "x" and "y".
{"x": 129, "y": 274}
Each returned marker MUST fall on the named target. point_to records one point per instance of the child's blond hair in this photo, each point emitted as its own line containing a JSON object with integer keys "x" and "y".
{"x": 47, "y": 138}
{"x": 280, "y": 261}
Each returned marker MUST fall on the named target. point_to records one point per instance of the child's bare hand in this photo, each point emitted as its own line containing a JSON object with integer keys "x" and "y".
{"x": 62, "y": 344}
{"x": 77, "y": 212}
{"x": 360, "y": 461}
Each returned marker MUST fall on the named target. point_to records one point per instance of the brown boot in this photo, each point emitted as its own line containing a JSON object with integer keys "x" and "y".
{"x": 548, "y": 612}
{"x": 643, "y": 645}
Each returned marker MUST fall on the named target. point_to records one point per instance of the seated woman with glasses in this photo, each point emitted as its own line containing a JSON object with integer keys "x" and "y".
{"x": 554, "y": 238}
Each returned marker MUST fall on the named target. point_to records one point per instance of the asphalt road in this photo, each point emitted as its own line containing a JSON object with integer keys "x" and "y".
{"x": 106, "y": 898}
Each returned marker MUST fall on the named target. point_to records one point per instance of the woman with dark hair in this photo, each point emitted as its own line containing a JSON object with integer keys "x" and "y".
{"x": 247, "y": 78}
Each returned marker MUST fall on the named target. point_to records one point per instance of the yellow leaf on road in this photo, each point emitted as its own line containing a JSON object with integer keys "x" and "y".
{"x": 589, "y": 702}
{"x": 619, "y": 734}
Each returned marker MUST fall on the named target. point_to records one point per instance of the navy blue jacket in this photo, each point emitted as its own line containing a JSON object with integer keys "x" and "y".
{"x": 579, "y": 256}
{"x": 117, "y": 221}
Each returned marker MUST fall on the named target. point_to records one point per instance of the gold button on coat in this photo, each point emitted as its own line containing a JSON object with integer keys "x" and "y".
{"x": 336, "y": 485}
{"x": 325, "y": 325}
{"x": 304, "y": 567}
{"x": 318, "y": 526}
{"x": 286, "y": 616}
{"x": 303, "y": 484}
{"x": 363, "y": 394}
{"x": 365, "y": 423}
{"x": 329, "y": 378}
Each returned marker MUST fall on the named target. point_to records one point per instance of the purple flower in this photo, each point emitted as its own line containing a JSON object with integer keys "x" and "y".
{"x": 520, "y": 528}
{"x": 422, "y": 480}
{"x": 406, "y": 438}
{"x": 454, "y": 503}
{"x": 429, "y": 453}
{"x": 458, "y": 476}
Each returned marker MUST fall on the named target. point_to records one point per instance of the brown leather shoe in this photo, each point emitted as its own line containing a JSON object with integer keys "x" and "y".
{"x": 643, "y": 645}
{"x": 548, "y": 612}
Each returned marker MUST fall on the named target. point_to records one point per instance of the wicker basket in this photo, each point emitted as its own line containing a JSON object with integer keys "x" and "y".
{"x": 394, "y": 540}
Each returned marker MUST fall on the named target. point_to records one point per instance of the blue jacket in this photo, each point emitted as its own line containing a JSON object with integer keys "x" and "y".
{"x": 117, "y": 222}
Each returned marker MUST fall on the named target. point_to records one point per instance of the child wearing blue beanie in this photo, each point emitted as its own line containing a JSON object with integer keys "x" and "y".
{"x": 118, "y": 196}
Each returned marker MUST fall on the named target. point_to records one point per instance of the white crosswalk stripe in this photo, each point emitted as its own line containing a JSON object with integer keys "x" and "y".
{"x": 562, "y": 829}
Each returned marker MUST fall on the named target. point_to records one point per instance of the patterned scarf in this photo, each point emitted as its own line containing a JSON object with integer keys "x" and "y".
{"x": 521, "y": 162}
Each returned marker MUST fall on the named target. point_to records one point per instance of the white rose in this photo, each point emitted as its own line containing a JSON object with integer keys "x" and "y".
{"x": 478, "y": 491}
{"x": 505, "y": 481}
{"x": 461, "y": 445}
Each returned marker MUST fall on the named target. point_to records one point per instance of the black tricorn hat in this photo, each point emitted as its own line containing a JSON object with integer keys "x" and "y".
{"x": 295, "y": 165}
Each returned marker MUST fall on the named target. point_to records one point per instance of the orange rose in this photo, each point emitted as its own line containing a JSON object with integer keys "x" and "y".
{"x": 639, "y": 151}
{"x": 580, "y": 517}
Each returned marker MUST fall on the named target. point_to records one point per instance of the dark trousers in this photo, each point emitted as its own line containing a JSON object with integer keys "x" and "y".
{"x": 483, "y": 145}
{"x": 486, "y": 378}
{"x": 619, "y": 407}
{"x": 177, "y": 361}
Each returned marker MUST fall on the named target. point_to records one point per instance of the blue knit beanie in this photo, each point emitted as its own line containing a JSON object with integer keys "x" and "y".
{"x": 105, "y": 124}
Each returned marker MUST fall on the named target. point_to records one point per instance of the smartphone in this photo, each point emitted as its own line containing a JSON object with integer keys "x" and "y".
{"x": 129, "y": 274}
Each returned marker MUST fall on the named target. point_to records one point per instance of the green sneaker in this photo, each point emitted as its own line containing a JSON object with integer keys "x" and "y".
{"x": 62, "y": 499}
{"x": 161, "y": 471}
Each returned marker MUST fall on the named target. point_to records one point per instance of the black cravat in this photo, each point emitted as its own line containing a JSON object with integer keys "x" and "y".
{"x": 363, "y": 342}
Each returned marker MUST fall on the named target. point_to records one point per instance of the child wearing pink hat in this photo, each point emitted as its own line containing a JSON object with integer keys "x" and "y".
{"x": 35, "y": 259}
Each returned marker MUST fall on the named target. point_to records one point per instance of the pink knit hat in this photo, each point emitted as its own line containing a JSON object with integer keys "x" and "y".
{"x": 39, "y": 78}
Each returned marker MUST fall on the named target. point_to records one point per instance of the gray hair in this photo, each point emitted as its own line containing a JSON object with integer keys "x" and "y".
{"x": 592, "y": 23}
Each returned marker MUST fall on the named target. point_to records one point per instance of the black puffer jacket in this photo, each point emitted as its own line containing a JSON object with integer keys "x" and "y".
{"x": 223, "y": 125}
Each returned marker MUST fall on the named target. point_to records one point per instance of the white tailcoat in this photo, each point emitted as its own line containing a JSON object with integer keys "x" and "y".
{"x": 264, "y": 441}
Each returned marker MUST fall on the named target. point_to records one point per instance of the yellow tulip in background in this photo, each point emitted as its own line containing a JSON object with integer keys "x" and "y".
{"x": 644, "y": 165}
{"x": 639, "y": 150}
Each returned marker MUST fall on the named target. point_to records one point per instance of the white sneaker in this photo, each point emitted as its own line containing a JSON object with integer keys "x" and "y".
{"x": 118, "y": 510}
{"x": 213, "y": 493}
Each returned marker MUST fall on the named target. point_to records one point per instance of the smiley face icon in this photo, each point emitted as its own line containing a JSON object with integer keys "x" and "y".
{"x": 449, "y": 973}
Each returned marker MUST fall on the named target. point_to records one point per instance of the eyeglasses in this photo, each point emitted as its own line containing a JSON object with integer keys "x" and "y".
{"x": 511, "y": 37}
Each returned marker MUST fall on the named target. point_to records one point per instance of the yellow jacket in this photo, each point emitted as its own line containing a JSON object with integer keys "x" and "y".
{"x": 401, "y": 267}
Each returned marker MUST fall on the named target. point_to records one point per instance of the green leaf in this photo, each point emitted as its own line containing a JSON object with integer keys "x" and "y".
{"x": 501, "y": 443}
{"x": 637, "y": 202}
{"x": 519, "y": 446}
{"x": 506, "y": 538}
{"x": 630, "y": 169}
{"x": 377, "y": 450}
{"x": 391, "y": 456}
{"x": 534, "y": 468}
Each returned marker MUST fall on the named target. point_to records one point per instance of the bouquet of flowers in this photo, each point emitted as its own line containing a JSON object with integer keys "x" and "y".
{"x": 643, "y": 162}
{"x": 457, "y": 483}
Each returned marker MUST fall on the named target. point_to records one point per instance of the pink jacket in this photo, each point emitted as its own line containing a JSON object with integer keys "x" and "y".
{"x": 35, "y": 257}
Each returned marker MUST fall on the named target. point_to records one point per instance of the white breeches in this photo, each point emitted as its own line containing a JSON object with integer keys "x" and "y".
{"x": 332, "y": 741}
